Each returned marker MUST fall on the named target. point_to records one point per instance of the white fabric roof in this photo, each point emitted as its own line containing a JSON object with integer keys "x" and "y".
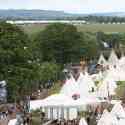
{"x": 60, "y": 100}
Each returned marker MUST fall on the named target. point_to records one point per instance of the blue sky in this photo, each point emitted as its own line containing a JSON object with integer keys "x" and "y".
{"x": 73, "y": 6}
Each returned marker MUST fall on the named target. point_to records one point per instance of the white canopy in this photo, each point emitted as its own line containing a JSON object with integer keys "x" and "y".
{"x": 60, "y": 100}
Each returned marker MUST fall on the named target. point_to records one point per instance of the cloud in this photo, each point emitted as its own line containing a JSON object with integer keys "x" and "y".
{"x": 77, "y": 6}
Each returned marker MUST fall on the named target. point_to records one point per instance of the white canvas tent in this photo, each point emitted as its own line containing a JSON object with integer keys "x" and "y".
{"x": 122, "y": 63}
{"x": 85, "y": 84}
{"x": 57, "y": 105}
{"x": 89, "y": 81}
{"x": 113, "y": 59}
{"x": 118, "y": 111}
{"x": 102, "y": 60}
{"x": 107, "y": 119}
{"x": 116, "y": 74}
{"x": 70, "y": 88}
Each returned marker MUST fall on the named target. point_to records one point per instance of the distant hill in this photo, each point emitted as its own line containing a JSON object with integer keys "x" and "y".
{"x": 113, "y": 14}
{"x": 48, "y": 14}
{"x": 34, "y": 14}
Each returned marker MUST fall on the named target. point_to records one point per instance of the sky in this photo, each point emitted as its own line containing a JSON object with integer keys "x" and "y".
{"x": 71, "y": 6}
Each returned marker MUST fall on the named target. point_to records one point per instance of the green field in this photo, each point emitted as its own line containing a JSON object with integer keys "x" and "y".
{"x": 108, "y": 28}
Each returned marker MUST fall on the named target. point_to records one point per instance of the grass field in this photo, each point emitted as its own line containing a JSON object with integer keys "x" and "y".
{"x": 108, "y": 28}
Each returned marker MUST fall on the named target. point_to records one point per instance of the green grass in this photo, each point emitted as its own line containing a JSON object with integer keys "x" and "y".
{"x": 33, "y": 28}
{"x": 108, "y": 28}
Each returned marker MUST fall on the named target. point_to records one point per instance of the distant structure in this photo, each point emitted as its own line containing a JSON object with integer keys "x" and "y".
{"x": 21, "y": 22}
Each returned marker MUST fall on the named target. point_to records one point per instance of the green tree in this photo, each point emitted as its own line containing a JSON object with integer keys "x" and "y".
{"x": 48, "y": 72}
{"x": 16, "y": 65}
{"x": 59, "y": 43}
{"x": 90, "y": 46}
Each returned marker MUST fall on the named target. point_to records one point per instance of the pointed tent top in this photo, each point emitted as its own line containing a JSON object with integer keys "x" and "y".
{"x": 102, "y": 60}
{"x": 113, "y": 59}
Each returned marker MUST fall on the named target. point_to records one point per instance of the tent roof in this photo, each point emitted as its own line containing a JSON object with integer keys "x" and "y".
{"x": 107, "y": 119}
{"x": 113, "y": 59}
{"x": 118, "y": 111}
{"x": 102, "y": 60}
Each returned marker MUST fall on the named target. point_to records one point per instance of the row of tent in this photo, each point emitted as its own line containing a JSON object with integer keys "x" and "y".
{"x": 86, "y": 90}
{"x": 85, "y": 86}
{"x": 112, "y": 60}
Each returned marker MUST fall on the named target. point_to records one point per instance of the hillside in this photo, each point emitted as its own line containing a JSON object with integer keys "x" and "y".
{"x": 12, "y": 14}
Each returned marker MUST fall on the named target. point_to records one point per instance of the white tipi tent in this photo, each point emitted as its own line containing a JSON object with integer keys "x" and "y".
{"x": 119, "y": 113}
{"x": 85, "y": 84}
{"x": 70, "y": 87}
{"x": 122, "y": 62}
{"x": 90, "y": 82}
{"x": 102, "y": 60}
{"x": 107, "y": 119}
{"x": 113, "y": 59}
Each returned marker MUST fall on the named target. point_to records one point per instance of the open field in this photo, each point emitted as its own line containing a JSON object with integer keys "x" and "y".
{"x": 108, "y": 28}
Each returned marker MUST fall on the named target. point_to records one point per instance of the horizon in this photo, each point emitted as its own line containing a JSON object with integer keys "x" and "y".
{"x": 68, "y": 6}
